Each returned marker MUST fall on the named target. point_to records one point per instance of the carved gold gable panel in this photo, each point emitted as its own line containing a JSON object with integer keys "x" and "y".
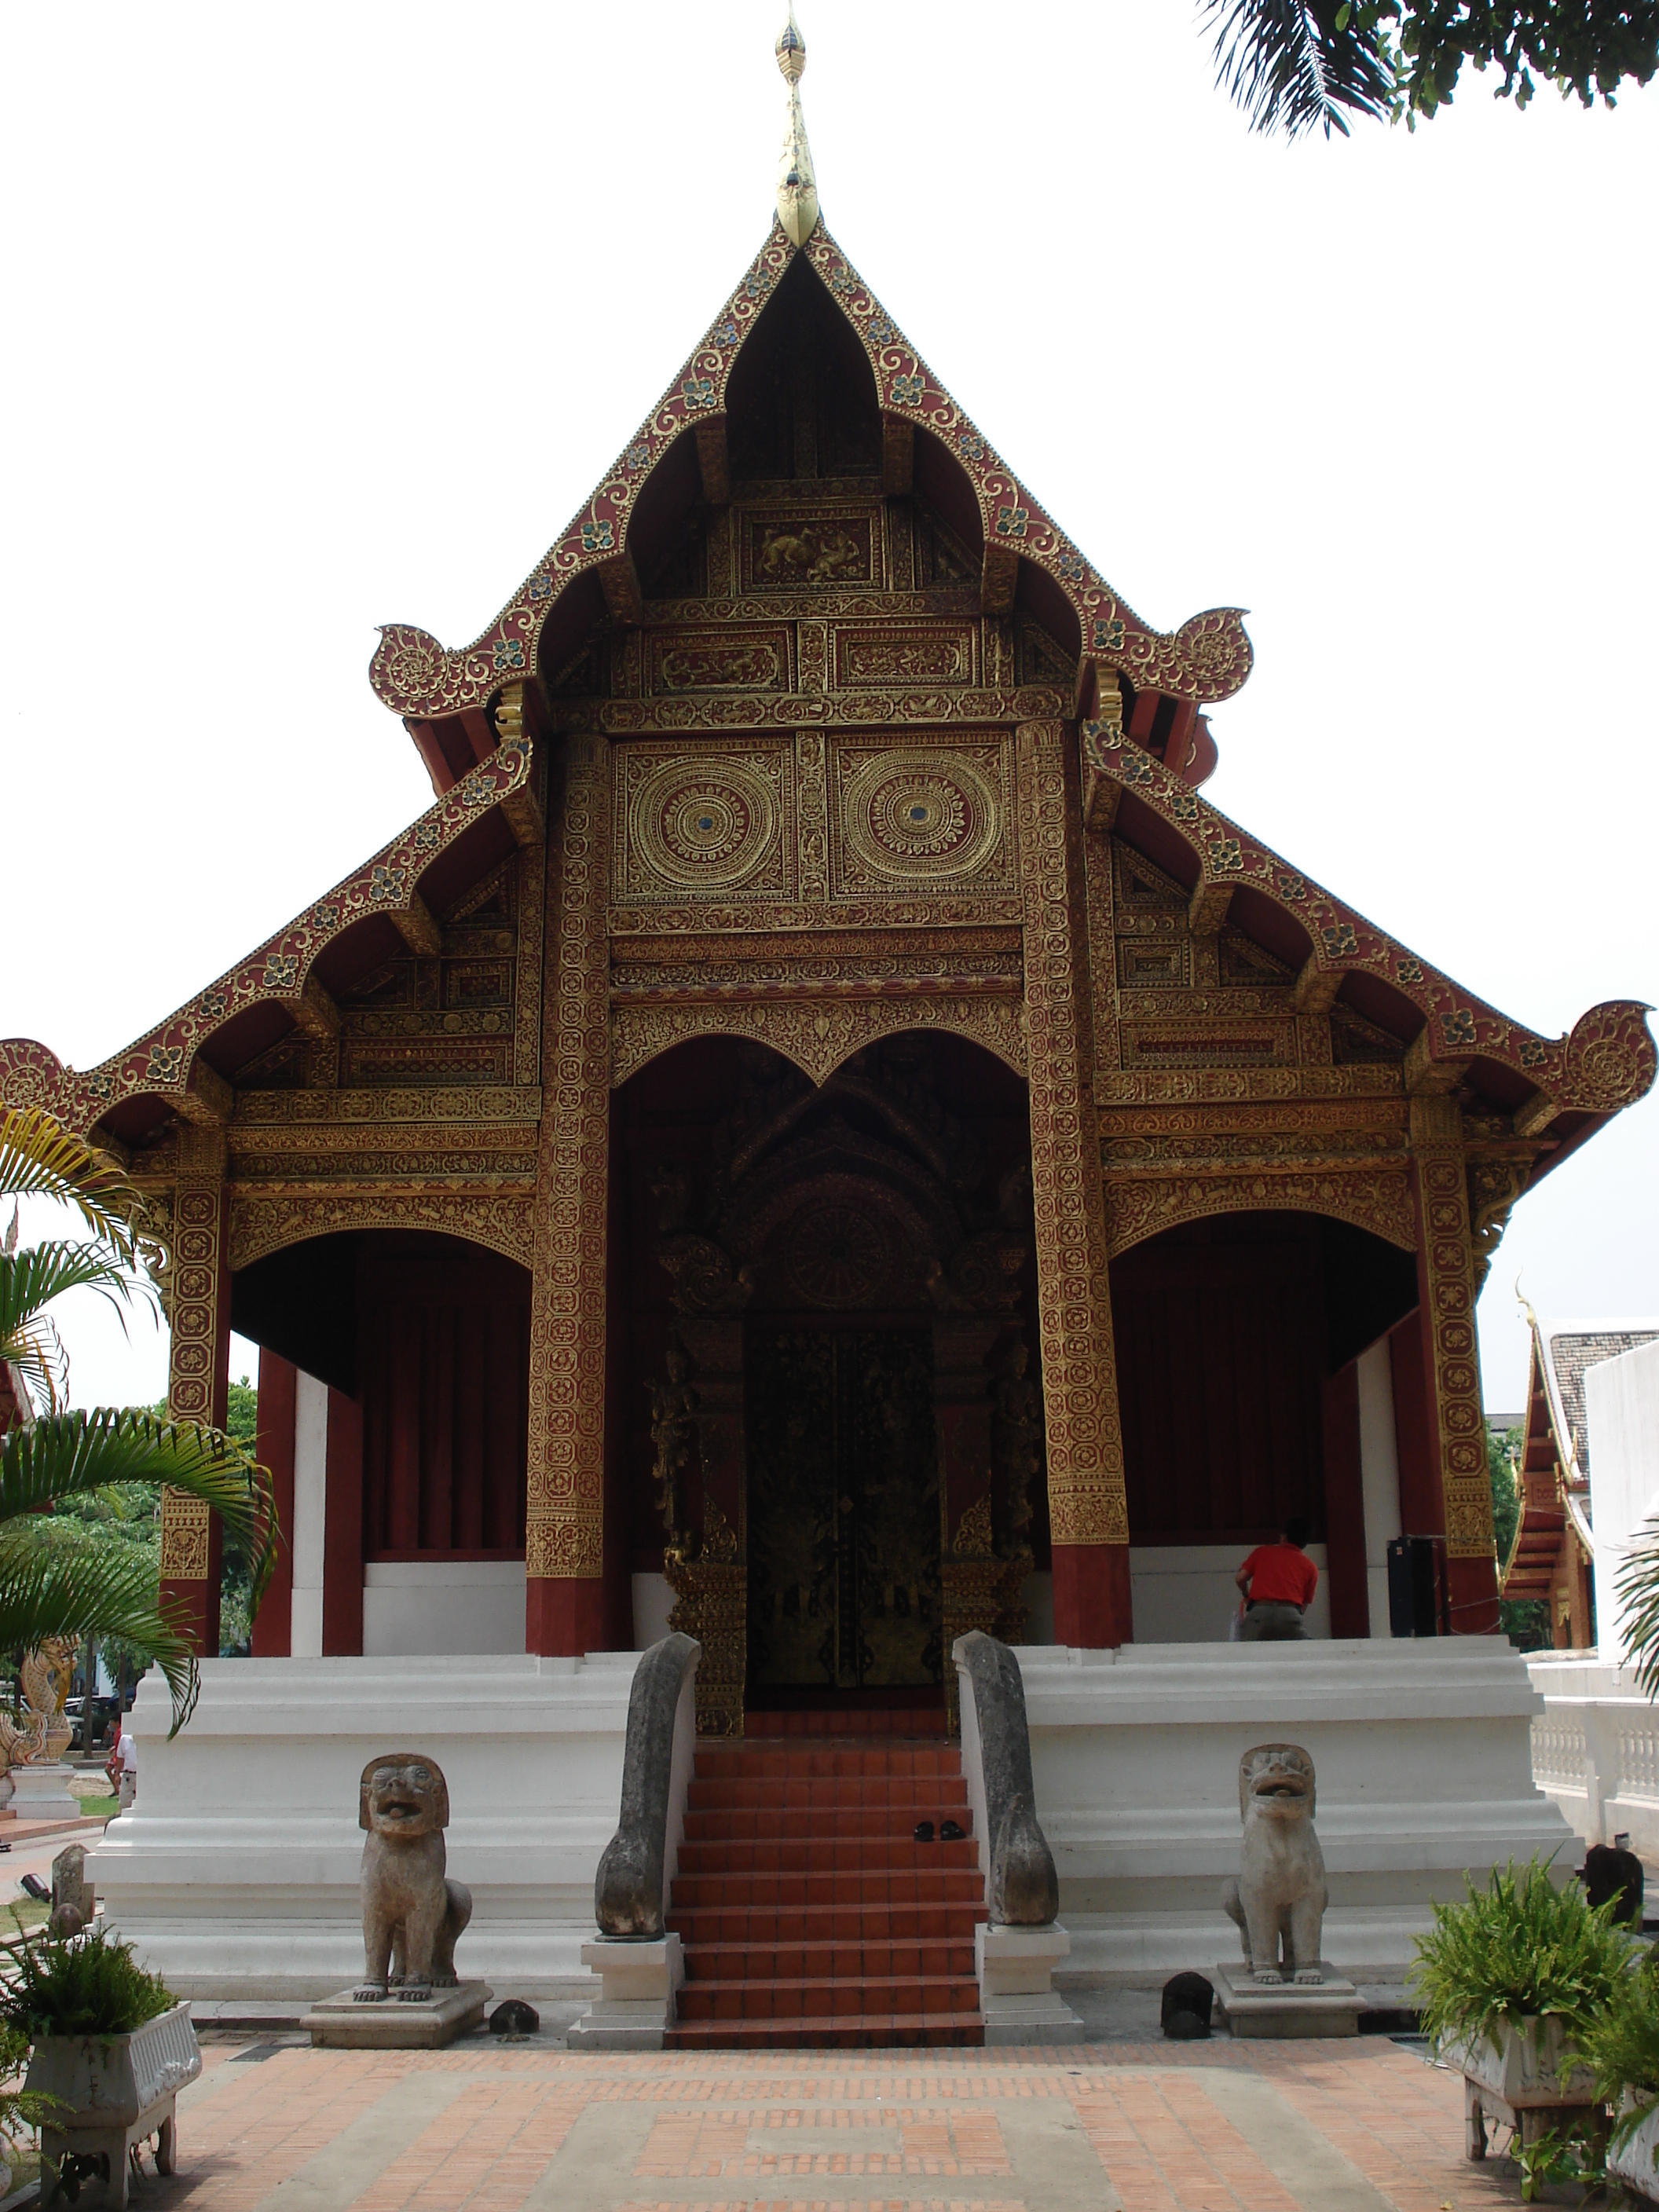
{"x": 835, "y": 548}
{"x": 716, "y": 824}
{"x": 916, "y": 814}
{"x": 743, "y": 658}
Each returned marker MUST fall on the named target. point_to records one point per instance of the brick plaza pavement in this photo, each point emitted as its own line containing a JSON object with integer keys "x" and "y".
{"x": 1362, "y": 2126}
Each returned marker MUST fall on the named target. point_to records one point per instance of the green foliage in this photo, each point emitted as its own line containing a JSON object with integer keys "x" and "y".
{"x": 237, "y": 1601}
{"x": 1638, "y": 1585}
{"x": 19, "y": 2108}
{"x": 1298, "y": 65}
{"x": 1518, "y": 1948}
{"x": 1621, "y": 2047}
{"x": 1554, "y": 2158}
{"x": 79, "y": 1553}
{"x": 1524, "y": 1620}
{"x": 88, "y": 1984}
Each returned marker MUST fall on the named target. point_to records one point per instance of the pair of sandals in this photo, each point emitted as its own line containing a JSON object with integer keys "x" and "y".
{"x": 951, "y": 1832}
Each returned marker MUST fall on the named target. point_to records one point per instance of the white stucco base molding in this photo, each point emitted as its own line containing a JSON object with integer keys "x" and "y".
{"x": 235, "y": 1874}
{"x": 1423, "y": 1754}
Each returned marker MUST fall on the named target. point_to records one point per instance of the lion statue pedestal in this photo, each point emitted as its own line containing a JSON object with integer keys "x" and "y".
{"x": 409, "y": 1998}
{"x": 1283, "y": 1988}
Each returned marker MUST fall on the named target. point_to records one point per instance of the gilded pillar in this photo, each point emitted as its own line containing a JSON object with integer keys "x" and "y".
{"x": 199, "y": 1373}
{"x": 565, "y": 1505}
{"x": 1087, "y": 1510}
{"x": 1447, "y": 1288}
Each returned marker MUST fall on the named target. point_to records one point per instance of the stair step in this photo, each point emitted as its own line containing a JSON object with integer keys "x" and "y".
{"x": 826, "y": 1923}
{"x": 867, "y": 2031}
{"x": 919, "y": 1795}
{"x": 887, "y": 1825}
{"x": 921, "y": 1721}
{"x": 715, "y": 1762}
{"x": 887, "y": 1854}
{"x": 827, "y": 1997}
{"x": 867, "y": 1886}
{"x": 864, "y": 1959}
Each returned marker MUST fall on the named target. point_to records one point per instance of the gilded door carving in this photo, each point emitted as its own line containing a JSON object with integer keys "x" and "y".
{"x": 844, "y": 1541}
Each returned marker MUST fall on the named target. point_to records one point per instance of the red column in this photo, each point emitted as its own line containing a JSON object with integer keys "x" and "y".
{"x": 1451, "y": 1367}
{"x": 342, "y": 1530}
{"x": 1344, "y": 1505}
{"x": 1088, "y": 1508}
{"x": 273, "y": 1625}
{"x": 564, "y": 1533}
{"x": 198, "y": 1377}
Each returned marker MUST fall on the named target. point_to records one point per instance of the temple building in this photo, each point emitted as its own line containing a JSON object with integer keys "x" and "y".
{"x": 1553, "y": 1555}
{"x": 821, "y": 1126}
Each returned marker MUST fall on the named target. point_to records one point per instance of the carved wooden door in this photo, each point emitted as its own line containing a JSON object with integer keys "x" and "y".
{"x": 843, "y": 1514}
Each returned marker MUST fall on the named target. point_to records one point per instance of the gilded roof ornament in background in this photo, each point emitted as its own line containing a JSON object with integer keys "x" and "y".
{"x": 798, "y": 191}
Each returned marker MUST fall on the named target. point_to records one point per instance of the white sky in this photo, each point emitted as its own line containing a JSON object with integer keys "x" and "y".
{"x": 330, "y": 315}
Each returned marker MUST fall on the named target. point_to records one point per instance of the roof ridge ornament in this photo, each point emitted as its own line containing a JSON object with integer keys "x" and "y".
{"x": 798, "y": 189}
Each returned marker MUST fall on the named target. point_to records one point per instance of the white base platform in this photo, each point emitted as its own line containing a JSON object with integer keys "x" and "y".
{"x": 341, "y": 2023}
{"x": 1287, "y": 2011}
{"x": 640, "y": 1994}
{"x": 235, "y": 1874}
{"x": 1018, "y": 2001}
{"x": 42, "y": 1793}
{"x": 1423, "y": 1752}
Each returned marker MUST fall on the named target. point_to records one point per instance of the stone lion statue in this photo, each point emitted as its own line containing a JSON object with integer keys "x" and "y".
{"x": 412, "y": 1915}
{"x": 1279, "y": 1896}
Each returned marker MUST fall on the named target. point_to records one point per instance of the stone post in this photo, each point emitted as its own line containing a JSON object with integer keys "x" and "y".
{"x": 198, "y": 1375}
{"x": 1087, "y": 1510}
{"x": 1446, "y": 1290}
{"x": 564, "y": 1610}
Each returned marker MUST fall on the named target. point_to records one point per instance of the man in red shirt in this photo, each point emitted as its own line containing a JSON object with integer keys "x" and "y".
{"x": 1278, "y": 1582}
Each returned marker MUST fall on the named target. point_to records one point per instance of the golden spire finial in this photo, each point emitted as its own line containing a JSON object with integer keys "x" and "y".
{"x": 798, "y": 191}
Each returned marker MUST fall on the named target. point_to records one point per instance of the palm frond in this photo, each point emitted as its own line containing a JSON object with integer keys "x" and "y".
{"x": 40, "y": 1159}
{"x": 65, "y": 1455}
{"x": 1295, "y": 66}
{"x": 31, "y": 1279}
{"x": 91, "y": 1594}
{"x": 1637, "y": 1587}
{"x": 41, "y": 1358}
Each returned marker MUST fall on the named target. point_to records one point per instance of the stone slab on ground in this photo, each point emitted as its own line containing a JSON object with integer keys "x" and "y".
{"x": 1288, "y": 2010}
{"x": 396, "y": 2023}
{"x": 1356, "y": 2126}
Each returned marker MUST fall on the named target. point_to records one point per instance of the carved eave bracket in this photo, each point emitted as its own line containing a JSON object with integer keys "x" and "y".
{"x": 1606, "y": 1062}
{"x": 1208, "y": 658}
{"x": 167, "y": 1065}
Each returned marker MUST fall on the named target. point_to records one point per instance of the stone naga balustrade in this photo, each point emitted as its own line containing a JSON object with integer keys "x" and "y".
{"x": 1017, "y": 1950}
{"x": 641, "y": 1965}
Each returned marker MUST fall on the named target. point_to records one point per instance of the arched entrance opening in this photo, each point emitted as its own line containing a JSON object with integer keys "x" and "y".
{"x": 1255, "y": 1369}
{"x": 822, "y": 1361}
{"x": 393, "y": 1406}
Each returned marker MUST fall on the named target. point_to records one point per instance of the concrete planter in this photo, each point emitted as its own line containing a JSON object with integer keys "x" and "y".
{"x": 119, "y": 2090}
{"x": 1520, "y": 2083}
{"x": 1632, "y": 2163}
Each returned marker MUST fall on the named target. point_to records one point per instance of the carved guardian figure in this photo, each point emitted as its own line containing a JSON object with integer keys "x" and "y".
{"x": 412, "y": 1915}
{"x": 1278, "y": 1898}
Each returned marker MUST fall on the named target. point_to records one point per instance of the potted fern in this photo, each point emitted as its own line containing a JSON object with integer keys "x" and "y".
{"x": 110, "y": 2049}
{"x": 1510, "y": 1983}
{"x": 1621, "y": 2049}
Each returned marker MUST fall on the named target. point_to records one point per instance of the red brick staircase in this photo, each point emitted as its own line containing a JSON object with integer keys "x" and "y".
{"x": 809, "y": 1914}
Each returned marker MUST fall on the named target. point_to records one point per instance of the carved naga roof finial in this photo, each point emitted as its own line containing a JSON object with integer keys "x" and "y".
{"x": 798, "y": 191}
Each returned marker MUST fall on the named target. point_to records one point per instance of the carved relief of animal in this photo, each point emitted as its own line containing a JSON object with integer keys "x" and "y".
{"x": 1280, "y": 1897}
{"x": 411, "y": 1914}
